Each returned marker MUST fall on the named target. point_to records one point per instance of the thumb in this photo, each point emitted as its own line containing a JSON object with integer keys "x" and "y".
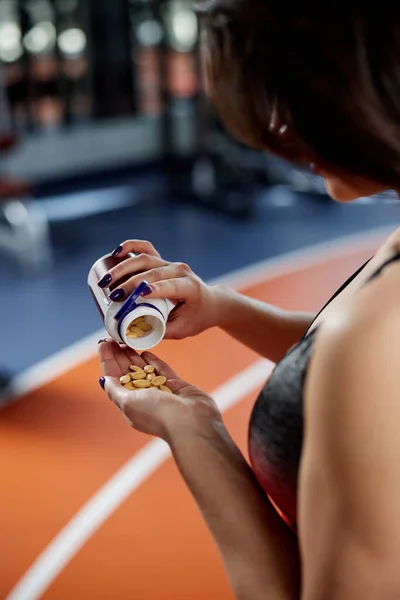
{"x": 179, "y": 324}
{"x": 174, "y": 329}
{"x": 114, "y": 390}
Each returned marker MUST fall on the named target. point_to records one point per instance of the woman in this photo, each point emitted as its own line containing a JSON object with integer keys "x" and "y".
{"x": 316, "y": 82}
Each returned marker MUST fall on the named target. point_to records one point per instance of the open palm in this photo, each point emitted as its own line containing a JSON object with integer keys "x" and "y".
{"x": 150, "y": 410}
{"x": 117, "y": 358}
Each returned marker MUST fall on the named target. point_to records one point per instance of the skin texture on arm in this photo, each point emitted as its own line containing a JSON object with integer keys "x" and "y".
{"x": 259, "y": 552}
{"x": 349, "y": 511}
{"x": 266, "y": 329}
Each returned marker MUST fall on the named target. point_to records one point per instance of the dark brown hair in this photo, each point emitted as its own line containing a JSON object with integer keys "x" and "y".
{"x": 329, "y": 69}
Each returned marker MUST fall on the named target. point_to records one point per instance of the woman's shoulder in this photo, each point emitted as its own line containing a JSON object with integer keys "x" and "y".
{"x": 364, "y": 333}
{"x": 353, "y": 377}
{"x": 378, "y": 298}
{"x": 351, "y": 450}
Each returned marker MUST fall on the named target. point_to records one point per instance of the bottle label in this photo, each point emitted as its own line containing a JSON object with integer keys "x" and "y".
{"x": 96, "y": 303}
{"x": 102, "y": 266}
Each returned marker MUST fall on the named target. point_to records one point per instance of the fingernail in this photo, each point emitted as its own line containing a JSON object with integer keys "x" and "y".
{"x": 147, "y": 290}
{"x": 117, "y": 251}
{"x": 102, "y": 382}
{"x": 117, "y": 295}
{"x": 101, "y": 341}
{"x": 104, "y": 281}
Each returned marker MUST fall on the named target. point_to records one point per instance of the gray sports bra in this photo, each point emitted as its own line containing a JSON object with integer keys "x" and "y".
{"x": 276, "y": 424}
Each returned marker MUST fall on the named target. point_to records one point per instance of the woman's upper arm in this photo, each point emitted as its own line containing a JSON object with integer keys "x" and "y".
{"x": 349, "y": 507}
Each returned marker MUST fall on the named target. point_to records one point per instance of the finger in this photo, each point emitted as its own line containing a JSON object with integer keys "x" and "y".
{"x": 137, "y": 406}
{"x": 176, "y": 328}
{"x": 136, "y": 246}
{"x": 127, "y": 419}
{"x": 116, "y": 392}
{"x": 172, "y": 273}
{"x": 134, "y": 357}
{"x": 135, "y": 264}
{"x": 175, "y": 288}
{"x": 113, "y": 358}
{"x": 176, "y": 385}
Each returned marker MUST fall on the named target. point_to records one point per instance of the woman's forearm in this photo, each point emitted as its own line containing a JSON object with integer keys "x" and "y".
{"x": 259, "y": 552}
{"x": 266, "y": 329}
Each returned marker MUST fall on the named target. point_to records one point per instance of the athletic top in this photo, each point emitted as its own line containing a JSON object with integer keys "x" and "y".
{"x": 276, "y": 424}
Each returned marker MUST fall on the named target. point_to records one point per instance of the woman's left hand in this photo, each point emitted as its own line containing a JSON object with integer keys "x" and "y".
{"x": 151, "y": 410}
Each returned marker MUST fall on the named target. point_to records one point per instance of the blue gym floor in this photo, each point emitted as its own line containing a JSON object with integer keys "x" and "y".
{"x": 40, "y": 315}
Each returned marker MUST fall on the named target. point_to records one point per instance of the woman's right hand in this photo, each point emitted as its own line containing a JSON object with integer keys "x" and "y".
{"x": 196, "y": 303}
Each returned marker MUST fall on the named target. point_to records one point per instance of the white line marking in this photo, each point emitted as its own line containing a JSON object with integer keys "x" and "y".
{"x": 63, "y": 361}
{"x": 96, "y": 511}
{"x": 74, "y": 535}
{"x": 56, "y": 365}
{"x": 304, "y": 258}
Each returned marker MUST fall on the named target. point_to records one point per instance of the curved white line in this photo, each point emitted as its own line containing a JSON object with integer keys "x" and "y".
{"x": 61, "y": 362}
{"x": 74, "y": 535}
{"x": 96, "y": 511}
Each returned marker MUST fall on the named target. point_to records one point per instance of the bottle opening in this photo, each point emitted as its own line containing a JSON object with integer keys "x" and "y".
{"x": 143, "y": 328}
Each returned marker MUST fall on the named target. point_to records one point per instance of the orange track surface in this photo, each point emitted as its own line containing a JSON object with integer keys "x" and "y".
{"x": 61, "y": 443}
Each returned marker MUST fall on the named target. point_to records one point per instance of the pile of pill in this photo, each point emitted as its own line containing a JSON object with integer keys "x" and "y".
{"x": 144, "y": 378}
{"x": 138, "y": 328}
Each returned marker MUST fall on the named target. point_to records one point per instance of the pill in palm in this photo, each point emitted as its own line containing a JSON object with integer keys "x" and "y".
{"x": 165, "y": 388}
{"x": 159, "y": 380}
{"x": 144, "y": 377}
{"x": 141, "y": 383}
{"x": 138, "y": 375}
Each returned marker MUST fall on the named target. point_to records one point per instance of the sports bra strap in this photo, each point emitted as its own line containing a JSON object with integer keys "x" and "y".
{"x": 344, "y": 285}
{"x": 387, "y": 262}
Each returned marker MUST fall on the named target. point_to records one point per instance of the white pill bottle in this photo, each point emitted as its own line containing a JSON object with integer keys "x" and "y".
{"x": 118, "y": 316}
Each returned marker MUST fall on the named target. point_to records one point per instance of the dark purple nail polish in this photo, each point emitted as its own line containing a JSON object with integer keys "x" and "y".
{"x": 147, "y": 290}
{"x": 102, "y": 382}
{"x": 101, "y": 341}
{"x": 117, "y": 251}
{"x": 105, "y": 281}
{"x": 117, "y": 295}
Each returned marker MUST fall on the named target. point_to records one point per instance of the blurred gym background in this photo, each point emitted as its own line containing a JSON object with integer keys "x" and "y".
{"x": 105, "y": 136}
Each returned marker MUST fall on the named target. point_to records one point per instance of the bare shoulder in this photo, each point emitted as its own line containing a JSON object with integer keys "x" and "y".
{"x": 353, "y": 381}
{"x": 349, "y": 489}
{"x": 376, "y": 304}
{"x": 364, "y": 334}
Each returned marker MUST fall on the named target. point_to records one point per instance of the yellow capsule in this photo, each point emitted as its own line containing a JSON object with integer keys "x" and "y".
{"x": 125, "y": 378}
{"x": 159, "y": 380}
{"x": 165, "y": 388}
{"x": 129, "y": 386}
{"x": 148, "y": 369}
{"x": 150, "y": 376}
{"x": 132, "y": 335}
{"x": 135, "y": 368}
{"x": 135, "y": 330}
{"x": 141, "y": 383}
{"x": 138, "y": 375}
{"x": 136, "y": 321}
{"x": 144, "y": 326}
